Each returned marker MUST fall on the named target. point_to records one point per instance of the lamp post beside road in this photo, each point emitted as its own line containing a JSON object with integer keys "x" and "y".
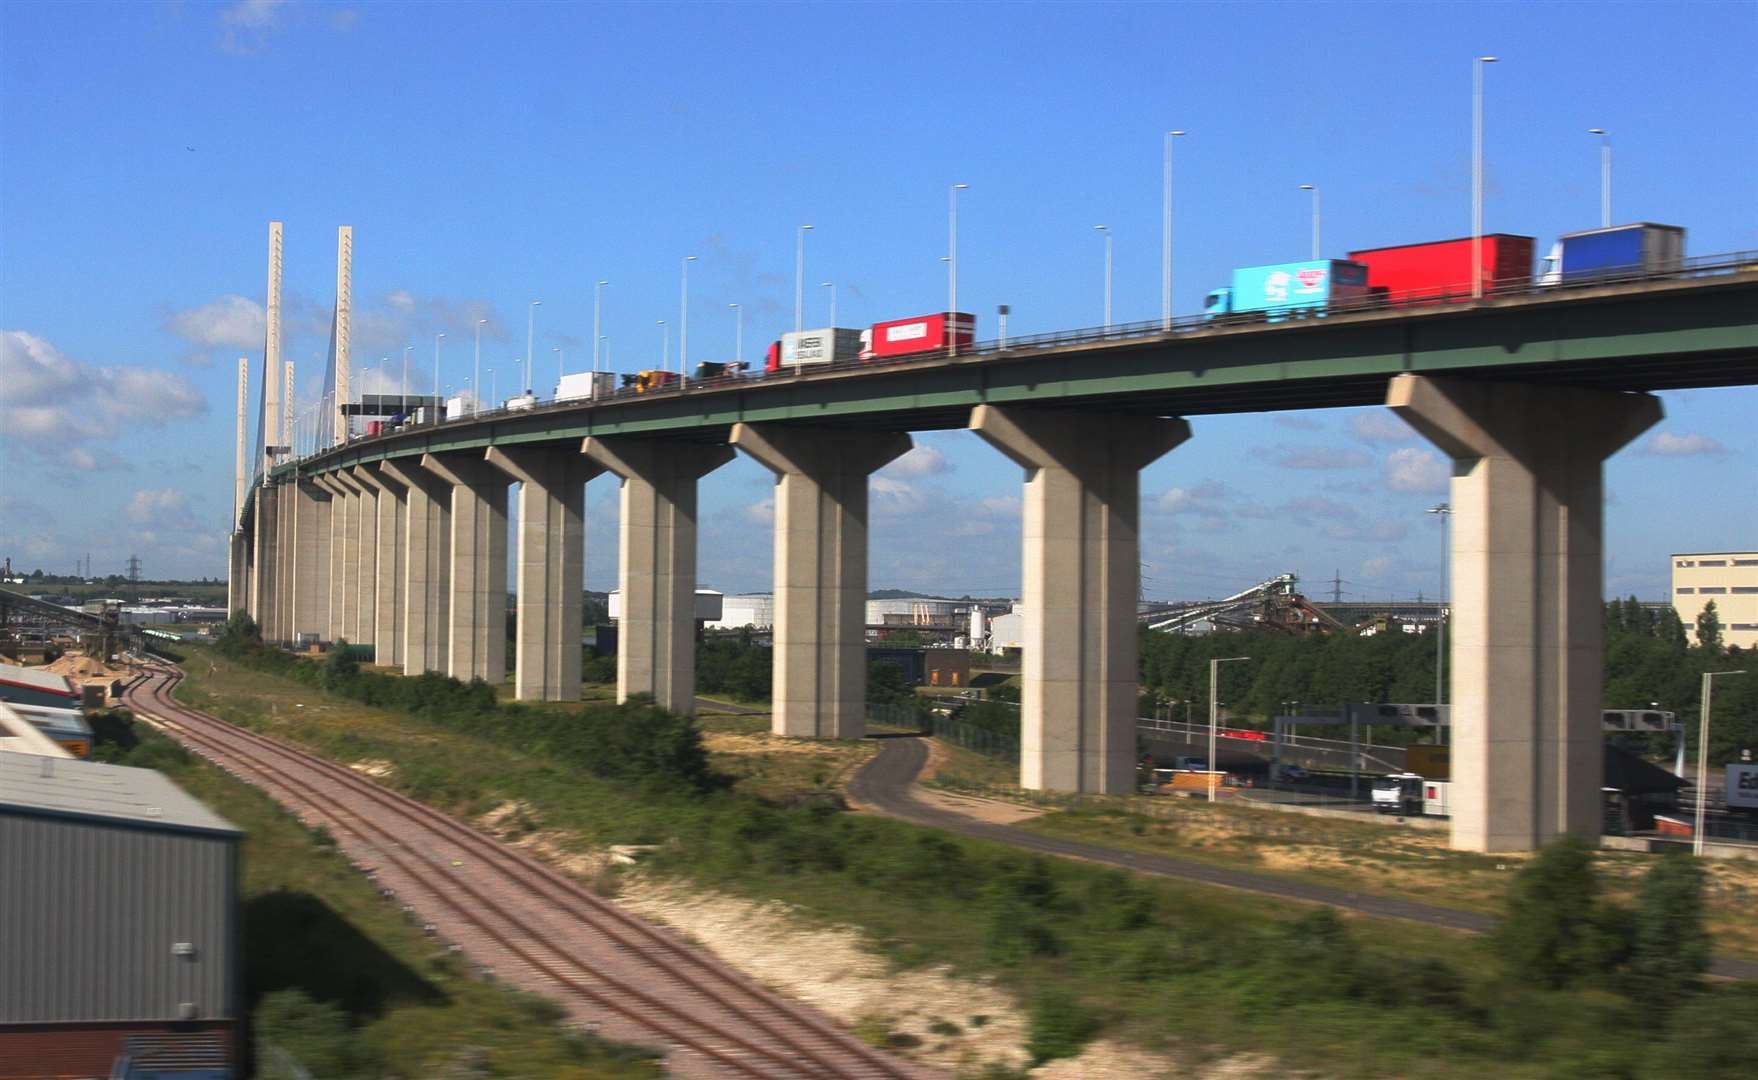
{"x": 1215, "y": 716}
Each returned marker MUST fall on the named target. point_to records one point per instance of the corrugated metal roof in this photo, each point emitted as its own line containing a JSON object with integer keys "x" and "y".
{"x": 89, "y": 789}
{"x": 37, "y": 679}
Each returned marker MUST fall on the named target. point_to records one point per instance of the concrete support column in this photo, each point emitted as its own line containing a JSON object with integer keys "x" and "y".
{"x": 285, "y": 551}
{"x": 362, "y": 556}
{"x": 550, "y": 567}
{"x": 1082, "y": 570}
{"x": 1527, "y": 590}
{"x": 392, "y": 507}
{"x": 266, "y": 524}
{"x": 427, "y": 566}
{"x": 477, "y": 639}
{"x": 820, "y": 570}
{"x": 312, "y": 508}
{"x": 237, "y": 571}
{"x": 656, "y": 632}
{"x": 344, "y": 557}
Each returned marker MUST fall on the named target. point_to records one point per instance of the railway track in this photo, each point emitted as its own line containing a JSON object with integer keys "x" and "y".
{"x": 528, "y": 924}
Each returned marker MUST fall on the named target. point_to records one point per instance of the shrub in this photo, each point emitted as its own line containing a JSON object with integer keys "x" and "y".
{"x": 1669, "y": 948}
{"x": 315, "y": 1035}
{"x": 1059, "y": 1026}
{"x": 1554, "y": 930}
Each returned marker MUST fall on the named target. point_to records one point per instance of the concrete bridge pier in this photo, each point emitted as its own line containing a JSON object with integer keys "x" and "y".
{"x": 427, "y": 566}
{"x": 550, "y": 567}
{"x": 1082, "y": 569}
{"x": 313, "y": 506}
{"x": 477, "y": 639}
{"x": 656, "y": 630}
{"x": 1527, "y": 586}
{"x": 265, "y": 522}
{"x": 285, "y": 547}
{"x": 820, "y": 685}
{"x": 344, "y": 557}
{"x": 237, "y": 569}
{"x": 363, "y": 548}
{"x": 391, "y": 504}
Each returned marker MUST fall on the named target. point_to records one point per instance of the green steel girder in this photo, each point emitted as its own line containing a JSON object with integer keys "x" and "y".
{"x": 1667, "y": 335}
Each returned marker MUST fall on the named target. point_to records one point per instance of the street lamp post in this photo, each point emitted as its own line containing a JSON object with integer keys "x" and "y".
{"x": 1443, "y": 511}
{"x": 1106, "y": 229}
{"x": 530, "y": 354}
{"x": 1166, "y": 239}
{"x": 800, "y": 277}
{"x": 560, "y": 359}
{"x": 476, "y": 372}
{"x": 492, "y": 388}
{"x": 1709, "y": 678}
{"x": 438, "y": 402}
{"x": 738, "y": 333}
{"x": 952, "y": 265}
{"x": 831, "y": 285}
{"x": 404, "y": 402}
{"x": 664, "y": 346}
{"x": 1477, "y": 174}
{"x": 1215, "y": 715}
{"x": 597, "y": 319}
{"x": 518, "y": 374}
{"x": 1315, "y": 216}
{"x": 1604, "y": 175}
{"x": 684, "y": 315}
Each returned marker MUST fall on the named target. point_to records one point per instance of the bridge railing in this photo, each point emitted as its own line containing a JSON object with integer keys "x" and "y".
{"x": 1149, "y": 329}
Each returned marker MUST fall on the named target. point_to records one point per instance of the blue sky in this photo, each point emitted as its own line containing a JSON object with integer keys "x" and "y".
{"x": 488, "y": 155}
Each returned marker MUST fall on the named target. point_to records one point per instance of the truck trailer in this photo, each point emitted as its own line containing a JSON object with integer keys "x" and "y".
{"x": 924, "y": 333}
{"x": 1440, "y": 272}
{"x": 1288, "y": 290}
{"x": 1642, "y": 248}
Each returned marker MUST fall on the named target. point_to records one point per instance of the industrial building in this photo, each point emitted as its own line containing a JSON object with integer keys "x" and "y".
{"x": 1729, "y": 579}
{"x": 119, "y": 921}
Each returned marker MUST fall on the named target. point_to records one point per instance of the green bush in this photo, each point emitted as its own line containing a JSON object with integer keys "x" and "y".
{"x": 1060, "y": 1026}
{"x": 1669, "y": 950}
{"x": 1555, "y": 931}
{"x": 315, "y": 1035}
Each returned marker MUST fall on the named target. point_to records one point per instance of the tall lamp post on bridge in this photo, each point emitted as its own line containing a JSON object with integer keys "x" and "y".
{"x": 597, "y": 320}
{"x": 831, "y": 285}
{"x": 1166, "y": 239}
{"x": 1315, "y": 216}
{"x": 952, "y": 263}
{"x": 437, "y": 400}
{"x": 530, "y": 355}
{"x": 664, "y": 346}
{"x": 560, "y": 360}
{"x": 403, "y": 403}
{"x": 1443, "y": 511}
{"x": 684, "y": 316}
{"x": 1215, "y": 715}
{"x": 1709, "y": 678}
{"x": 738, "y": 332}
{"x": 1106, "y": 229}
{"x": 476, "y": 373}
{"x": 1477, "y": 174}
{"x": 1604, "y": 175}
{"x": 800, "y": 280}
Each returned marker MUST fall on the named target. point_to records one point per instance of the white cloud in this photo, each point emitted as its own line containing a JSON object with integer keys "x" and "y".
{"x": 1299, "y": 421}
{"x": 1417, "y": 470}
{"x": 1682, "y": 444}
{"x": 921, "y": 460}
{"x": 246, "y": 26}
{"x": 159, "y": 508}
{"x": 232, "y": 321}
{"x": 1313, "y": 457}
{"x": 1380, "y": 426}
{"x": 50, "y": 397}
{"x": 762, "y": 511}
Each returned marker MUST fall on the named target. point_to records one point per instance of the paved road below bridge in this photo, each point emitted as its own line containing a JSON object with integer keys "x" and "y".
{"x": 886, "y": 782}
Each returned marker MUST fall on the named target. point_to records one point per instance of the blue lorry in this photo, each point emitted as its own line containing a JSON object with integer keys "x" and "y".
{"x": 1288, "y": 290}
{"x": 1642, "y": 248}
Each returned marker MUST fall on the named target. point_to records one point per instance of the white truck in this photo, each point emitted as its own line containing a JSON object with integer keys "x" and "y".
{"x": 591, "y": 385}
{"x": 1408, "y": 794}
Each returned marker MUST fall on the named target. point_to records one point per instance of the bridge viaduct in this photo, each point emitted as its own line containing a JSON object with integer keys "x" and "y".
{"x": 400, "y": 541}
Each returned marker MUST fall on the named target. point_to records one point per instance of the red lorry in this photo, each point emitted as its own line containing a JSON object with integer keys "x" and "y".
{"x": 924, "y": 333}
{"x": 1440, "y": 272}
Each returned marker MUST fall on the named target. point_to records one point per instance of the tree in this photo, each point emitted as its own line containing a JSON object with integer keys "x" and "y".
{"x": 1709, "y": 629}
{"x": 886, "y": 684}
{"x": 1670, "y": 950}
{"x": 1554, "y": 929}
